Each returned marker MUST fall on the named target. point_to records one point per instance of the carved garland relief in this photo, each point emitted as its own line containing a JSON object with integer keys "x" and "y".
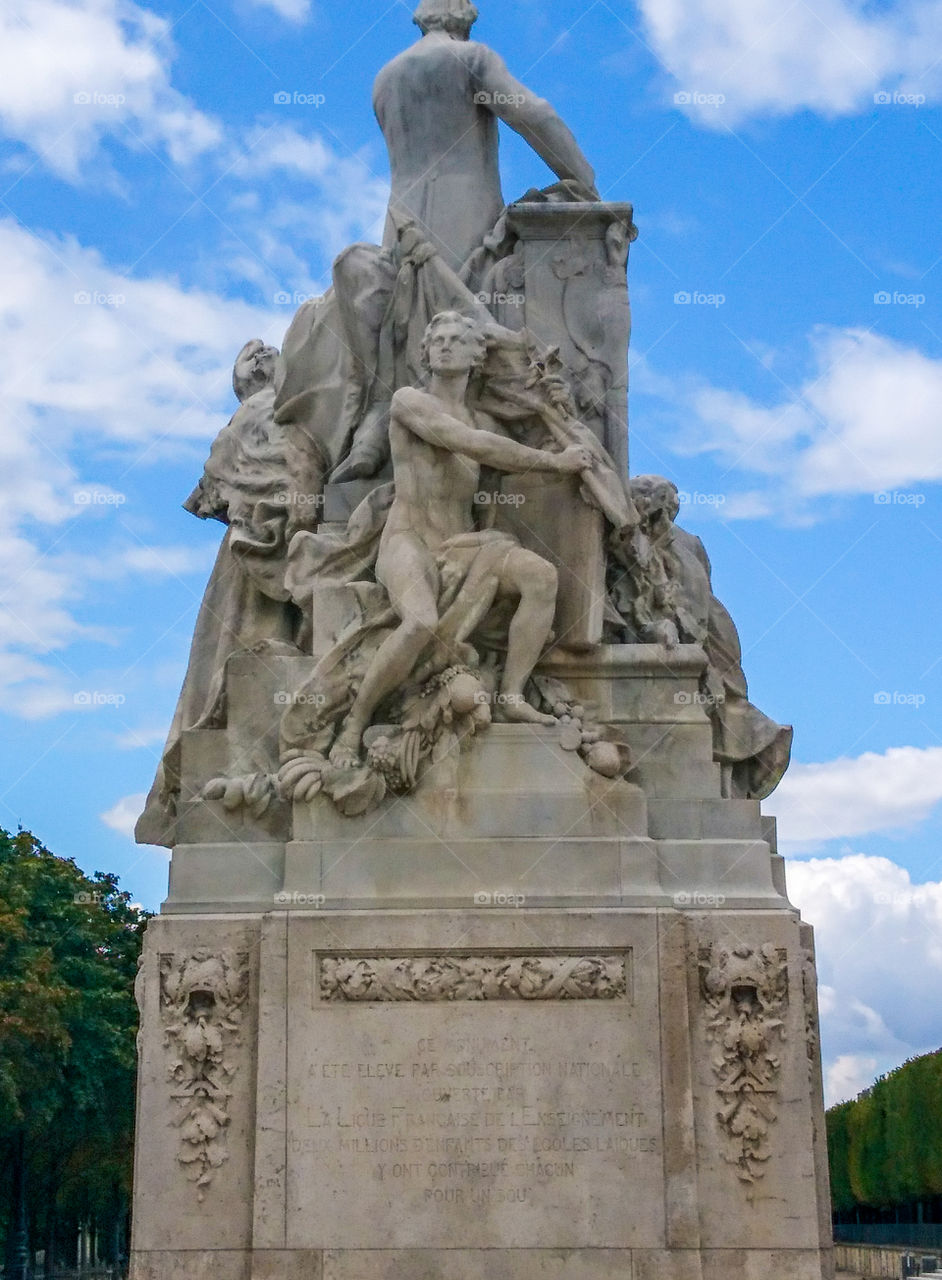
{"x": 201, "y": 999}
{"x": 745, "y": 991}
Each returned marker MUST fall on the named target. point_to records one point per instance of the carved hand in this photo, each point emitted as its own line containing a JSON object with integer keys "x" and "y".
{"x": 574, "y": 460}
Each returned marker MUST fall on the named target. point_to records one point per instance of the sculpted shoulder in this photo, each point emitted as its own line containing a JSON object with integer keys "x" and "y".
{"x": 410, "y": 399}
{"x": 475, "y": 57}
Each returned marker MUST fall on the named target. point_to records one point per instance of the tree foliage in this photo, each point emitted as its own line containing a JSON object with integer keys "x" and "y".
{"x": 69, "y": 945}
{"x": 885, "y": 1149}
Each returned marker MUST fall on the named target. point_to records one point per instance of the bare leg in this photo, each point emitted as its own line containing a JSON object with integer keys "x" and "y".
{"x": 410, "y": 579}
{"x": 536, "y": 581}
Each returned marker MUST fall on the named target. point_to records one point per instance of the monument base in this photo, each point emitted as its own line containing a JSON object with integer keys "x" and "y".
{"x": 493, "y": 1092}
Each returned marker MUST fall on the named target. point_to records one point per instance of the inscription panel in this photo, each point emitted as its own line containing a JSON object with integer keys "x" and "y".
{"x": 510, "y": 1123}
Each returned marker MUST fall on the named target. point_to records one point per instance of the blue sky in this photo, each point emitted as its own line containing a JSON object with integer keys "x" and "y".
{"x": 156, "y": 206}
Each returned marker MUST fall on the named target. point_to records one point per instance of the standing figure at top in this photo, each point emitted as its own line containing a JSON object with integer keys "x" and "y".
{"x": 438, "y": 104}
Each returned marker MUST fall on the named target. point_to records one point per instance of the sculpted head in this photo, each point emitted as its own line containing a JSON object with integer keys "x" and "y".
{"x": 453, "y": 17}
{"x": 453, "y": 343}
{"x": 657, "y": 500}
{"x": 254, "y": 369}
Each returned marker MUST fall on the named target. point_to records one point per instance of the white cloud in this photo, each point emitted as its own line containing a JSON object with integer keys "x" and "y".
{"x": 72, "y": 71}
{"x": 123, "y": 816}
{"x": 849, "y": 1075}
{"x": 351, "y": 200}
{"x": 879, "y": 943}
{"x": 855, "y": 796}
{"x": 831, "y": 436}
{"x": 296, "y": 11}
{"x": 768, "y": 58}
{"x": 143, "y": 373}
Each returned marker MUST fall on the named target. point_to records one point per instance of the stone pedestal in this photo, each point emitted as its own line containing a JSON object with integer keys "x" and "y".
{"x": 527, "y": 1023}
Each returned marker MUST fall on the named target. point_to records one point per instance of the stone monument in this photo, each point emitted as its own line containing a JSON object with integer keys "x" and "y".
{"x": 477, "y": 959}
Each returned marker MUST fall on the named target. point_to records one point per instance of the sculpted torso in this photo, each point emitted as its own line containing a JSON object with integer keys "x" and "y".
{"x": 435, "y": 487}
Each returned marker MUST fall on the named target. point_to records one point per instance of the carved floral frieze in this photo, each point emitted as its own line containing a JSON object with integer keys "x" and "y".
{"x": 385, "y": 979}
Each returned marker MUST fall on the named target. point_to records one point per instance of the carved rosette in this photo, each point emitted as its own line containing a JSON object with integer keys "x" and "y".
{"x": 745, "y": 992}
{"x": 201, "y": 999}
{"x": 387, "y": 979}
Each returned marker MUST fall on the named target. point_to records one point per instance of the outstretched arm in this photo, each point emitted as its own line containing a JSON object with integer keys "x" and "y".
{"x": 534, "y": 119}
{"x": 413, "y": 410}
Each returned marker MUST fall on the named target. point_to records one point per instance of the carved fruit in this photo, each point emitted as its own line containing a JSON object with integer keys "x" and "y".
{"x": 465, "y": 693}
{"x": 606, "y": 759}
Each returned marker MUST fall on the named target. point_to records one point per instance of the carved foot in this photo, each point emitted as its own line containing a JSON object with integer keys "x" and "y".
{"x": 514, "y": 709}
{"x": 346, "y": 751}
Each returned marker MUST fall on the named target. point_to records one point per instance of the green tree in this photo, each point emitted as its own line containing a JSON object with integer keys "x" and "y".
{"x": 69, "y": 945}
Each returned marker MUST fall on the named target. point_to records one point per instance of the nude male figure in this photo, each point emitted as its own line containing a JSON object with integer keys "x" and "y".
{"x": 438, "y": 449}
{"x": 438, "y": 105}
